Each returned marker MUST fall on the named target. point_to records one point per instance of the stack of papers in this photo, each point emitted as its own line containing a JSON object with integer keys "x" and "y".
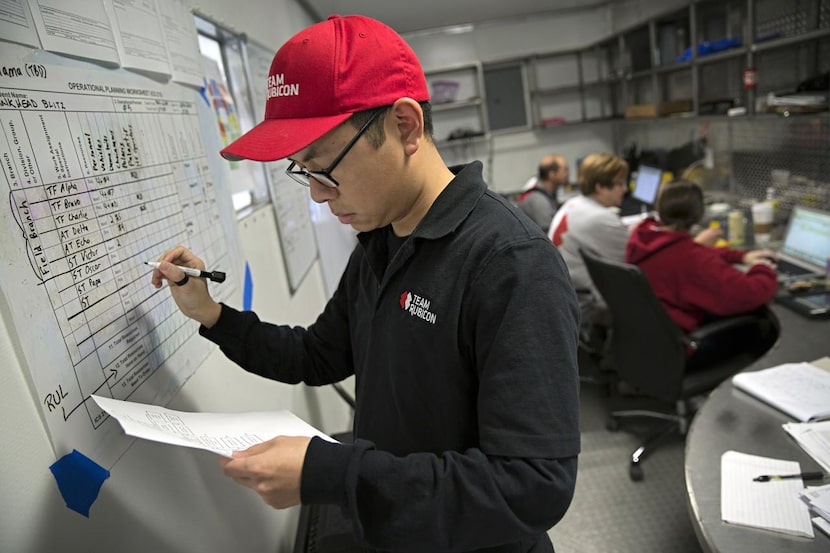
{"x": 814, "y": 438}
{"x": 802, "y": 390}
{"x": 771, "y": 506}
{"x": 818, "y": 501}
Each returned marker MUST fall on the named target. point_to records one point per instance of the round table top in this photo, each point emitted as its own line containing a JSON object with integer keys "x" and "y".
{"x": 730, "y": 419}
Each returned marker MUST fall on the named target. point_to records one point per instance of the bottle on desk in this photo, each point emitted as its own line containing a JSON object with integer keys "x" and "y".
{"x": 735, "y": 228}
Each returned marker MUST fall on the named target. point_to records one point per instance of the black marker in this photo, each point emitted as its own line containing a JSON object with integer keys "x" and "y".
{"x": 215, "y": 276}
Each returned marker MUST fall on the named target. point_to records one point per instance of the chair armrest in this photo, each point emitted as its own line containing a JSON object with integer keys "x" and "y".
{"x": 721, "y": 327}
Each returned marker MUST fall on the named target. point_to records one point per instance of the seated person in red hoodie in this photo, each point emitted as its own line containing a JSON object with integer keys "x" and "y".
{"x": 694, "y": 282}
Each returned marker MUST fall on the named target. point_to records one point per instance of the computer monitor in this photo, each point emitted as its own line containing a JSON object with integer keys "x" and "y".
{"x": 647, "y": 184}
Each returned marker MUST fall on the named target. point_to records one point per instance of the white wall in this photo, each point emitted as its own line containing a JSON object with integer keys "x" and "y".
{"x": 164, "y": 498}
{"x": 269, "y": 22}
{"x": 515, "y": 156}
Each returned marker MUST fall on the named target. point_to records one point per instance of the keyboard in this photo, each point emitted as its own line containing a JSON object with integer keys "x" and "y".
{"x": 787, "y": 270}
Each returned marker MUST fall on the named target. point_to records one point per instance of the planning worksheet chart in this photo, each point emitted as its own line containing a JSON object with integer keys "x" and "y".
{"x": 103, "y": 171}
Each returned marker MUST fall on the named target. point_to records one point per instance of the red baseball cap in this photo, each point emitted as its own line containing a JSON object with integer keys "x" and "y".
{"x": 323, "y": 75}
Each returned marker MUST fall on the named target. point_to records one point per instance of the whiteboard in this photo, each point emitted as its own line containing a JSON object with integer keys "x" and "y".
{"x": 290, "y": 199}
{"x": 102, "y": 171}
{"x": 334, "y": 241}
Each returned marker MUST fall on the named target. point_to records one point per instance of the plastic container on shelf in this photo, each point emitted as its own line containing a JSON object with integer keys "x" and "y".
{"x": 444, "y": 91}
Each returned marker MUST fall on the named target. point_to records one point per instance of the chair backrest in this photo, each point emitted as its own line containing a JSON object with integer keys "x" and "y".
{"x": 648, "y": 349}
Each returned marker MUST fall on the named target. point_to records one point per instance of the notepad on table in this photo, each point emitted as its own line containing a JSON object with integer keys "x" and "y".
{"x": 774, "y": 506}
{"x": 802, "y": 390}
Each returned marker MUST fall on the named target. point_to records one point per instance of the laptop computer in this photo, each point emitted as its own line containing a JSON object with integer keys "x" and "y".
{"x": 803, "y": 252}
{"x": 801, "y": 263}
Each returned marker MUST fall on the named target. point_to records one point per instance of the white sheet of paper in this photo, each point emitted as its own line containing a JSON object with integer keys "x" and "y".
{"x": 801, "y": 390}
{"x": 822, "y": 525}
{"x": 818, "y": 499}
{"x": 16, "y": 23}
{"x": 182, "y": 41}
{"x": 814, "y": 438}
{"x": 220, "y": 433}
{"x": 772, "y": 506}
{"x": 76, "y": 28}
{"x": 138, "y": 34}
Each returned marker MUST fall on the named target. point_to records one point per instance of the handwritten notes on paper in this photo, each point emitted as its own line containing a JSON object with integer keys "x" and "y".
{"x": 814, "y": 438}
{"x": 221, "y": 433}
{"x": 772, "y": 506}
{"x": 801, "y": 390}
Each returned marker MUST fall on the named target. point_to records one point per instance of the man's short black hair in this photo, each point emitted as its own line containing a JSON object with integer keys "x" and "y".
{"x": 375, "y": 135}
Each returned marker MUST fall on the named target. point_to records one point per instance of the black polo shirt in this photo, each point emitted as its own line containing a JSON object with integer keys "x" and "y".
{"x": 463, "y": 347}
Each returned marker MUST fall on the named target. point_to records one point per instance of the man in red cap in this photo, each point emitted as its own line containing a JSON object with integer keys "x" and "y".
{"x": 455, "y": 314}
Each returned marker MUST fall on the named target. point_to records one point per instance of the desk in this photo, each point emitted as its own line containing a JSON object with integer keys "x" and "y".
{"x": 731, "y": 419}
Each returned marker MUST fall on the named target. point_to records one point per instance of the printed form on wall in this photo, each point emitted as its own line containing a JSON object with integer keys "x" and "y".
{"x": 104, "y": 171}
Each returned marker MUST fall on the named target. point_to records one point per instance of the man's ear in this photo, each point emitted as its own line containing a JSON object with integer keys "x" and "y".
{"x": 407, "y": 119}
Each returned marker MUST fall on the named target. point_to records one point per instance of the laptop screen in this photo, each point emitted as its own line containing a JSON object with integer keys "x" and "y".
{"x": 647, "y": 184}
{"x": 808, "y": 235}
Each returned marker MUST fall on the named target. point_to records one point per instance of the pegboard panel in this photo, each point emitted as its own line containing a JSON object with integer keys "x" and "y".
{"x": 791, "y": 155}
{"x": 777, "y": 18}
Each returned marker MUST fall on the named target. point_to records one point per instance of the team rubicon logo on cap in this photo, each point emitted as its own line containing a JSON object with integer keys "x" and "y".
{"x": 277, "y": 87}
{"x": 417, "y": 306}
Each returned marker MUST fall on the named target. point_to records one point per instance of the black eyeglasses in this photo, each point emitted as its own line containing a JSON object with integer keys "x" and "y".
{"x": 302, "y": 175}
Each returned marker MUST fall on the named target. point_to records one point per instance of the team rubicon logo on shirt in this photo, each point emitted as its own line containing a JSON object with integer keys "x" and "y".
{"x": 277, "y": 87}
{"x": 417, "y": 306}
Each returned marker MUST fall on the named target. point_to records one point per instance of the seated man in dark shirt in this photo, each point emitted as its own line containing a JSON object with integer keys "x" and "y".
{"x": 540, "y": 202}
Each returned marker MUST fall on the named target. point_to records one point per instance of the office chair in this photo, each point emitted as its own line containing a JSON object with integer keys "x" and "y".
{"x": 652, "y": 354}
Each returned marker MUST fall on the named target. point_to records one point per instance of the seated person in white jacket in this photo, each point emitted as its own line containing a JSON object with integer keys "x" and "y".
{"x": 585, "y": 221}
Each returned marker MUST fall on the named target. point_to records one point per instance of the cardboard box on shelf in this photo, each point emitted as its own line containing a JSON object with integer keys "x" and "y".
{"x": 671, "y": 107}
{"x": 635, "y": 111}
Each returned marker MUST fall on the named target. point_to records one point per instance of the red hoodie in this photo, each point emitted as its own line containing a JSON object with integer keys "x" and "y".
{"x": 691, "y": 280}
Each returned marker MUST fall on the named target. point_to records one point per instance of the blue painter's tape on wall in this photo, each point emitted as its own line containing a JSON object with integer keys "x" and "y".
{"x": 203, "y": 92}
{"x": 79, "y": 480}
{"x": 248, "y": 289}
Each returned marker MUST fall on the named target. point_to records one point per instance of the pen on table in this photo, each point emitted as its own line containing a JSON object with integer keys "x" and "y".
{"x": 802, "y": 475}
{"x": 215, "y": 276}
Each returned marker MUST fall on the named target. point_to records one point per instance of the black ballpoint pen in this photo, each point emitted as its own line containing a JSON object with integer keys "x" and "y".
{"x": 802, "y": 475}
